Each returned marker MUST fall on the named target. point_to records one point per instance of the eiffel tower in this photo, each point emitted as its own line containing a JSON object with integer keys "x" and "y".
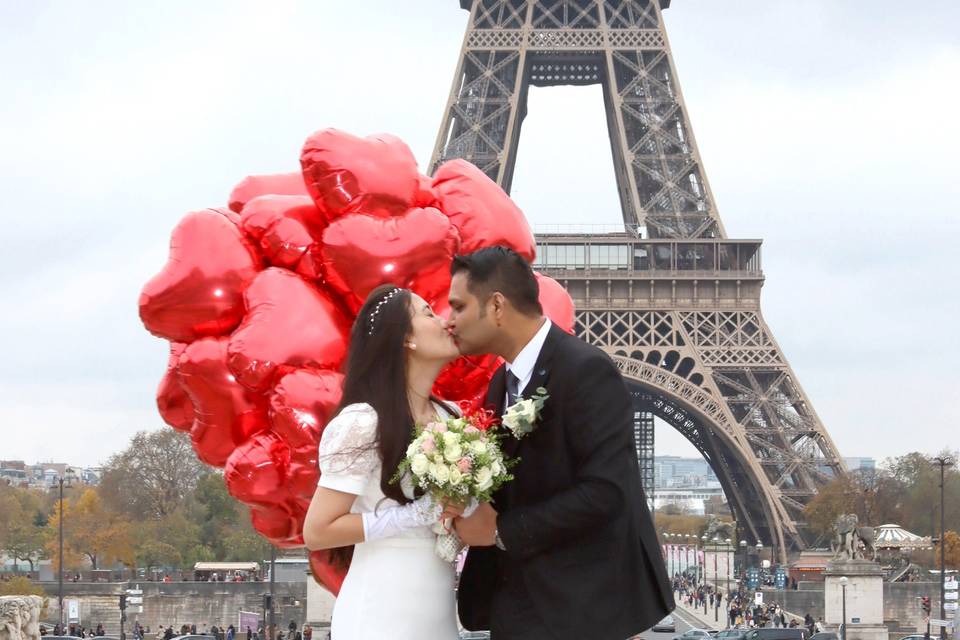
{"x": 673, "y": 300}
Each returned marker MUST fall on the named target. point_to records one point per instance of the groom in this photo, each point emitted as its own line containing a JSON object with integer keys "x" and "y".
{"x": 567, "y": 549}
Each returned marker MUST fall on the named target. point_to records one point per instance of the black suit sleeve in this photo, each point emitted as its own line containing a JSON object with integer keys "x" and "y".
{"x": 598, "y": 431}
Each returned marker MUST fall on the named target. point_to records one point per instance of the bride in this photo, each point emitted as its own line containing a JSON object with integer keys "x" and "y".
{"x": 397, "y": 349}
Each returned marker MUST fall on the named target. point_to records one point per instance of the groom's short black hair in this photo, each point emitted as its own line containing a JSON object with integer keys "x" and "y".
{"x": 501, "y": 269}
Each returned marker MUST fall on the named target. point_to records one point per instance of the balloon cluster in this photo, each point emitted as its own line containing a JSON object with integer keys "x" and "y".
{"x": 257, "y": 301}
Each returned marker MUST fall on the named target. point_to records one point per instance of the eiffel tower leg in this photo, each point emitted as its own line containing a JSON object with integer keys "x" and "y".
{"x": 677, "y": 305}
{"x": 488, "y": 99}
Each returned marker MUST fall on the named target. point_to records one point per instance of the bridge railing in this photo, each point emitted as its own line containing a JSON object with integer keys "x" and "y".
{"x": 622, "y": 253}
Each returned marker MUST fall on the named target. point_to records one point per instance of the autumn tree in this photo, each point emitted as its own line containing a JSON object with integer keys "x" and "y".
{"x": 93, "y": 532}
{"x": 153, "y": 476}
{"x": 22, "y": 531}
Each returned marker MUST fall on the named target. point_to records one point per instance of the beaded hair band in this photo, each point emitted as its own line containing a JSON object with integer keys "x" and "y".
{"x": 372, "y": 318}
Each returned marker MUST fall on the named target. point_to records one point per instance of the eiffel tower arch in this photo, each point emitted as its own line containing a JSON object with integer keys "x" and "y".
{"x": 673, "y": 300}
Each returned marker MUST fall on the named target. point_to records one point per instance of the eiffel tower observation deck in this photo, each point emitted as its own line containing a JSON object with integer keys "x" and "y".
{"x": 673, "y": 300}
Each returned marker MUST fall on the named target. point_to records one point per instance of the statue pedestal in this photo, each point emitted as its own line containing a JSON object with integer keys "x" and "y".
{"x": 864, "y": 598}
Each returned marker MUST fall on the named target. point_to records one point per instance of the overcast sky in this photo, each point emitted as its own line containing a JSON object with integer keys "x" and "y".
{"x": 828, "y": 128}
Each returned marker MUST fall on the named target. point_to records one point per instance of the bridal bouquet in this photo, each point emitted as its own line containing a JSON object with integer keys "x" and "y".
{"x": 457, "y": 460}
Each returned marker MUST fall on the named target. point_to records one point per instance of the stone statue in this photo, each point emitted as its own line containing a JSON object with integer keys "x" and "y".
{"x": 717, "y": 529}
{"x": 851, "y": 541}
{"x": 20, "y": 617}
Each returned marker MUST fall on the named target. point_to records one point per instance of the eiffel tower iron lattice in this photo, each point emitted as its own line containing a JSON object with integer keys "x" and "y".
{"x": 671, "y": 298}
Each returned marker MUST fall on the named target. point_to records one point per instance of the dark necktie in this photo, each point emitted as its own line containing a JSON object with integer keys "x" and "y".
{"x": 513, "y": 388}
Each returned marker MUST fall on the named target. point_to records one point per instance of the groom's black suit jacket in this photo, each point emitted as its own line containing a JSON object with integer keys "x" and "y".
{"x": 574, "y": 520}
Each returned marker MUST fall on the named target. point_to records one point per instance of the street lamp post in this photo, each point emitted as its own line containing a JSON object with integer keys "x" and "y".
{"x": 727, "y": 552}
{"x": 60, "y": 482}
{"x": 843, "y": 612}
{"x": 704, "y": 547}
{"x": 943, "y": 462}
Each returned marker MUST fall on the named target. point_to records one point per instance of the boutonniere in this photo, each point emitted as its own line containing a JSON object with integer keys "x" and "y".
{"x": 521, "y": 417}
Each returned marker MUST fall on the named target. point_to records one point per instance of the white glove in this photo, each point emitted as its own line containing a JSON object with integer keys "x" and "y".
{"x": 387, "y": 523}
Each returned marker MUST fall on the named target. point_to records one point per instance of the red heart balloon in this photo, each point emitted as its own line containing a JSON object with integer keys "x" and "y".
{"x": 466, "y": 379}
{"x": 262, "y": 212}
{"x": 301, "y": 404}
{"x": 200, "y": 290}
{"x": 327, "y": 575}
{"x": 279, "y": 524}
{"x": 290, "y": 324}
{"x": 346, "y": 174}
{"x": 479, "y": 208}
{"x": 227, "y": 414}
{"x": 556, "y": 302}
{"x": 258, "y": 470}
{"x": 362, "y": 252}
{"x": 426, "y": 196}
{"x": 172, "y": 401}
{"x": 288, "y": 184}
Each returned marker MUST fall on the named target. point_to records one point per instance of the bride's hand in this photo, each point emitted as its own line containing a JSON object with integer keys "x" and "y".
{"x": 452, "y": 510}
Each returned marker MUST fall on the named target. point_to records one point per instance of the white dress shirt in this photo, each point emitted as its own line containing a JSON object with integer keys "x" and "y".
{"x": 522, "y": 366}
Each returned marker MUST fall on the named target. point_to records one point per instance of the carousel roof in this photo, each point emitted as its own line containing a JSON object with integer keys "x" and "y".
{"x": 895, "y": 536}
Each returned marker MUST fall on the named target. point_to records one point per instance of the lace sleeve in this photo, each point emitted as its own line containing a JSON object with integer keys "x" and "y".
{"x": 348, "y": 456}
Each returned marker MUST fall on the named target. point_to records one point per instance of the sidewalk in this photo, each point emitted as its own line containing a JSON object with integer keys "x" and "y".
{"x": 704, "y": 621}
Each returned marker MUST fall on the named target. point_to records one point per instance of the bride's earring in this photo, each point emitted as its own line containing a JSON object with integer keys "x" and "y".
{"x": 412, "y": 346}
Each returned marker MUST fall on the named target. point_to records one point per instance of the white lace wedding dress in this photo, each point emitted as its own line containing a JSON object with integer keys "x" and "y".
{"x": 396, "y": 587}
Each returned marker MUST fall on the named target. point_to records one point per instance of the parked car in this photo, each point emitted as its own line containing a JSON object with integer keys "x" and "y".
{"x": 694, "y": 634}
{"x": 667, "y": 624}
{"x": 830, "y": 635}
{"x": 474, "y": 635}
{"x": 915, "y": 636}
{"x": 731, "y": 634}
{"x": 798, "y": 633}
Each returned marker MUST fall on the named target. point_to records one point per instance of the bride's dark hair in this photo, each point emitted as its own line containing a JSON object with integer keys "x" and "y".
{"x": 376, "y": 373}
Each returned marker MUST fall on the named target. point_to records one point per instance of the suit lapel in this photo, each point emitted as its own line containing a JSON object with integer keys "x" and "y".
{"x": 541, "y": 373}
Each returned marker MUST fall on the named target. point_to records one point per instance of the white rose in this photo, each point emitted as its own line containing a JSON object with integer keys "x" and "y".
{"x": 432, "y": 469}
{"x": 456, "y": 476}
{"x": 452, "y": 453}
{"x": 484, "y": 479}
{"x": 413, "y": 448}
{"x": 441, "y": 474}
{"x": 451, "y": 438}
{"x": 419, "y": 464}
{"x": 527, "y": 410}
{"x": 478, "y": 447}
{"x": 496, "y": 468}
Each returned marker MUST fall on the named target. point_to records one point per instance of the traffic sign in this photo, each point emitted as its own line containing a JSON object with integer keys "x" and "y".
{"x": 135, "y": 600}
{"x": 758, "y": 597}
{"x": 950, "y": 595}
{"x": 950, "y": 606}
{"x": 951, "y": 585}
{"x": 935, "y": 622}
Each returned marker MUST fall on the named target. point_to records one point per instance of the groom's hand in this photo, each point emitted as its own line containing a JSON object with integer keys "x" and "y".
{"x": 480, "y": 528}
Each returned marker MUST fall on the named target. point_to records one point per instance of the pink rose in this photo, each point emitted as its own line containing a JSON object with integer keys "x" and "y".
{"x": 471, "y": 429}
{"x": 428, "y": 445}
{"x": 464, "y": 464}
{"x": 439, "y": 427}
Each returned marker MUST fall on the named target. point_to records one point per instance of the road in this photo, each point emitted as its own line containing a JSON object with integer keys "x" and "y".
{"x": 683, "y": 621}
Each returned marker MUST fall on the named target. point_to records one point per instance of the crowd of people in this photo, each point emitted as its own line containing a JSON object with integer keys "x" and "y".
{"x": 741, "y": 611}
{"x": 139, "y": 632}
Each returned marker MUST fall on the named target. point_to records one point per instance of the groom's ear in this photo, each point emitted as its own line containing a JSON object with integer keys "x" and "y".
{"x": 499, "y": 305}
